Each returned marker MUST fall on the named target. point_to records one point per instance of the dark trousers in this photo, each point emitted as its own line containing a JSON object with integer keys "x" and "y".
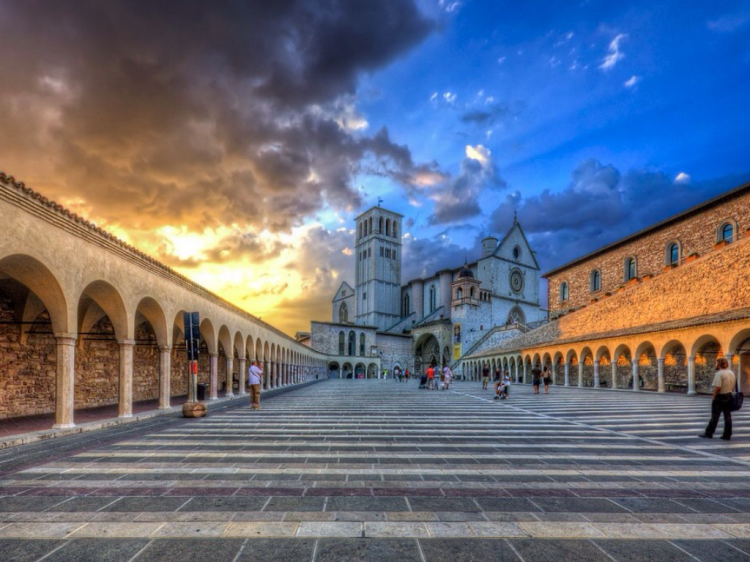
{"x": 722, "y": 404}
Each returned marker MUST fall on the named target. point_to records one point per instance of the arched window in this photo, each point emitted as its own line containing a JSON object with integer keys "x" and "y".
{"x": 352, "y": 343}
{"x": 516, "y": 252}
{"x": 380, "y": 225}
{"x": 471, "y": 292}
{"x": 395, "y": 229}
{"x": 433, "y": 298}
{"x": 516, "y": 316}
{"x": 596, "y": 281}
{"x": 361, "y": 230}
{"x": 407, "y": 305}
{"x": 343, "y": 313}
{"x": 362, "y": 344}
{"x": 673, "y": 253}
{"x": 341, "y": 343}
{"x": 726, "y": 233}
{"x": 564, "y": 291}
{"x": 631, "y": 269}
{"x": 459, "y": 293}
{"x": 387, "y": 227}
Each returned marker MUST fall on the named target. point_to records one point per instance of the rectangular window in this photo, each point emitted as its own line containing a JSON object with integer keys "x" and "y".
{"x": 388, "y": 253}
{"x": 364, "y": 296}
{"x": 369, "y": 252}
{"x": 381, "y": 251}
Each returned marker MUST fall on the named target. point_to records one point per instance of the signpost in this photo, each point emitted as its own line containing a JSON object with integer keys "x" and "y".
{"x": 192, "y": 408}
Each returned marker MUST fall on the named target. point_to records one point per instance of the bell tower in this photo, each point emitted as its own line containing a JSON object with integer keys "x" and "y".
{"x": 378, "y": 273}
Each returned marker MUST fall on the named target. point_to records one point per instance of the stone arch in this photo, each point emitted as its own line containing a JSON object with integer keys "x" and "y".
{"x": 33, "y": 310}
{"x": 250, "y": 348}
{"x": 208, "y": 336}
{"x": 623, "y": 368}
{"x": 38, "y": 278}
{"x": 360, "y": 369}
{"x": 648, "y": 366}
{"x": 558, "y": 367}
{"x": 372, "y": 371}
{"x": 151, "y": 335}
{"x": 704, "y": 351}
{"x": 547, "y": 361}
{"x": 586, "y": 368}
{"x": 536, "y": 361}
{"x": 516, "y": 316}
{"x": 109, "y": 300}
{"x": 348, "y": 370}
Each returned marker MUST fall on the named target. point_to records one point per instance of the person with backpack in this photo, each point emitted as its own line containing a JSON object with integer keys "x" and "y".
{"x": 536, "y": 378}
{"x": 723, "y": 385}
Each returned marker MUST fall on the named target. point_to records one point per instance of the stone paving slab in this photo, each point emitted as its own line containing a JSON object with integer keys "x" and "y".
{"x": 351, "y": 470}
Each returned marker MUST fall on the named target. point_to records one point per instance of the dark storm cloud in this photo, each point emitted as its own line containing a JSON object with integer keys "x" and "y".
{"x": 424, "y": 256}
{"x": 196, "y": 112}
{"x": 599, "y": 206}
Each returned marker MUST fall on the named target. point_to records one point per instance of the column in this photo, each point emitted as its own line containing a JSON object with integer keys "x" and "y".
{"x": 636, "y": 385}
{"x": 65, "y": 380}
{"x": 691, "y": 375}
{"x": 596, "y": 374}
{"x": 661, "y": 374}
{"x": 230, "y": 376}
{"x": 278, "y": 374}
{"x": 266, "y": 375}
{"x": 516, "y": 373}
{"x": 242, "y": 376}
{"x": 580, "y": 374}
{"x": 730, "y": 357}
{"x": 125, "y": 407}
{"x": 567, "y": 373}
{"x": 165, "y": 374}
{"x": 614, "y": 374}
{"x": 214, "y": 376}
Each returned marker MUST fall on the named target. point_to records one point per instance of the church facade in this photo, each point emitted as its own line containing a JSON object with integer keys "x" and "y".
{"x": 382, "y": 323}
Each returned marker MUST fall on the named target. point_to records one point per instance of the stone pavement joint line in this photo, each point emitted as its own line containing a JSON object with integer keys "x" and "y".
{"x": 373, "y": 470}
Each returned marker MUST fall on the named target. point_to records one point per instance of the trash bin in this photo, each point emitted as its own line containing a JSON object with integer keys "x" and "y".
{"x": 201, "y": 392}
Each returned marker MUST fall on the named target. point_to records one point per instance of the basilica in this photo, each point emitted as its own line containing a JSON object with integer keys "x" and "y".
{"x": 381, "y": 323}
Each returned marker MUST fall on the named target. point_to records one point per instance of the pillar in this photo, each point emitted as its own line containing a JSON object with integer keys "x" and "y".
{"x": 266, "y": 375}
{"x": 636, "y": 385}
{"x": 691, "y": 375}
{"x": 614, "y": 374}
{"x": 125, "y": 407}
{"x": 660, "y": 362}
{"x": 567, "y": 373}
{"x": 580, "y": 374}
{"x": 516, "y": 373}
{"x": 65, "y": 345}
{"x": 230, "y": 376}
{"x": 341, "y": 372}
{"x": 596, "y": 374}
{"x": 242, "y": 376}
{"x": 165, "y": 374}
{"x": 278, "y": 374}
{"x": 214, "y": 376}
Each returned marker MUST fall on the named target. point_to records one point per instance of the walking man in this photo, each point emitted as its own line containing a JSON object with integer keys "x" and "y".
{"x": 430, "y": 377}
{"x": 485, "y": 376}
{"x": 254, "y": 379}
{"x": 724, "y": 382}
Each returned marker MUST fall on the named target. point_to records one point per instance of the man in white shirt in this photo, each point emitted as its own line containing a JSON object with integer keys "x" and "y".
{"x": 254, "y": 379}
{"x": 724, "y": 383}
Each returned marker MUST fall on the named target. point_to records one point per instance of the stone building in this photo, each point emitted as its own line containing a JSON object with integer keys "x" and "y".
{"x": 433, "y": 320}
{"x": 87, "y": 320}
{"x": 651, "y": 311}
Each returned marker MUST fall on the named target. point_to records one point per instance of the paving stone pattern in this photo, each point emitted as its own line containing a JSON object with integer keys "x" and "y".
{"x": 373, "y": 470}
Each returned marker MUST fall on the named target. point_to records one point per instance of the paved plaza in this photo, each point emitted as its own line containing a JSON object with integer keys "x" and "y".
{"x": 373, "y": 470}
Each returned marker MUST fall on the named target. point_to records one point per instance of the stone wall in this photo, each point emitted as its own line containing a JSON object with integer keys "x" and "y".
{"x": 721, "y": 276}
{"x": 27, "y": 372}
{"x": 696, "y": 233}
{"x": 397, "y": 350}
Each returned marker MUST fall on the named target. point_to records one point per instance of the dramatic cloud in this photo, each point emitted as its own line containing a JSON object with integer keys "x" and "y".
{"x": 599, "y": 206}
{"x": 226, "y": 123}
{"x": 195, "y": 113}
{"x": 458, "y": 197}
{"x": 422, "y": 257}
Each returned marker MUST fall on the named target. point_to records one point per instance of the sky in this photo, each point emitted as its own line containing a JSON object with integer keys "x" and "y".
{"x": 236, "y": 141}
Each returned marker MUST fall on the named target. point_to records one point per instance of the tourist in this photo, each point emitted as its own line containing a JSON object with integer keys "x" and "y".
{"x": 385, "y": 374}
{"x": 254, "y": 380}
{"x": 406, "y": 375}
{"x": 546, "y": 379}
{"x": 724, "y": 383}
{"x": 485, "y": 376}
{"x": 536, "y": 376}
{"x": 447, "y": 377}
{"x": 502, "y": 391}
{"x": 498, "y": 379}
{"x": 430, "y": 377}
